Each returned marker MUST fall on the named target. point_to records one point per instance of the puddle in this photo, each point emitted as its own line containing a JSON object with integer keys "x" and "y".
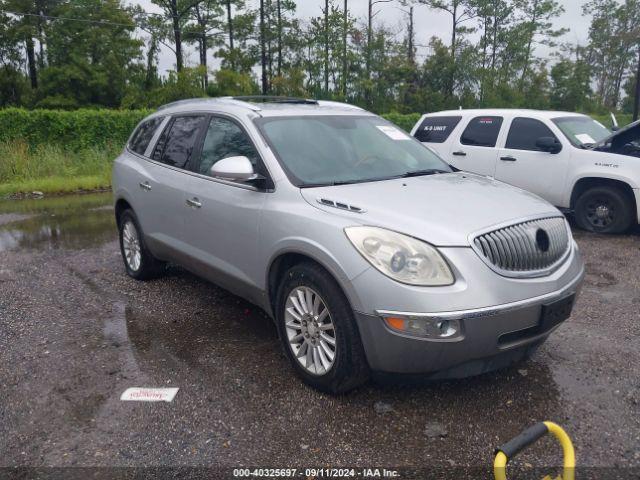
{"x": 69, "y": 222}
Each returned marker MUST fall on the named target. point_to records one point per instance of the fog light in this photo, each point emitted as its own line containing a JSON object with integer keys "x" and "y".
{"x": 424, "y": 326}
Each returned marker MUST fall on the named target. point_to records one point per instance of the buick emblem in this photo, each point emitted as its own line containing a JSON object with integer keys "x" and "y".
{"x": 542, "y": 240}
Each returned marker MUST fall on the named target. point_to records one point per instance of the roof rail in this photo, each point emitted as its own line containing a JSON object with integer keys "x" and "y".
{"x": 228, "y": 100}
{"x": 331, "y": 103}
{"x": 275, "y": 99}
{"x": 181, "y": 102}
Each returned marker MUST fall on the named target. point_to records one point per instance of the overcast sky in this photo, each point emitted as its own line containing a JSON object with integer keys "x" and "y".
{"x": 427, "y": 24}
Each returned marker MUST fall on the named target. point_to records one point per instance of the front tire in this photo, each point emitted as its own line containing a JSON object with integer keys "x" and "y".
{"x": 604, "y": 210}
{"x": 318, "y": 330}
{"x": 138, "y": 260}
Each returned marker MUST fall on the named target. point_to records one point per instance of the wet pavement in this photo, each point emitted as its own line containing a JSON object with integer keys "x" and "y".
{"x": 75, "y": 332}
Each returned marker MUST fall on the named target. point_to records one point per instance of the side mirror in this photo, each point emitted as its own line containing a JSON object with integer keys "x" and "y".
{"x": 549, "y": 144}
{"x": 235, "y": 169}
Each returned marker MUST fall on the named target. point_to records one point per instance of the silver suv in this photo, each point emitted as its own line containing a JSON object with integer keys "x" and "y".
{"x": 370, "y": 252}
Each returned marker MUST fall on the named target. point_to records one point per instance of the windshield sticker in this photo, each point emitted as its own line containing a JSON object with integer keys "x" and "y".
{"x": 392, "y": 132}
{"x": 585, "y": 138}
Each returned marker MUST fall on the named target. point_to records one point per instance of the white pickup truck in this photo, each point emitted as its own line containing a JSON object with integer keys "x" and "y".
{"x": 566, "y": 158}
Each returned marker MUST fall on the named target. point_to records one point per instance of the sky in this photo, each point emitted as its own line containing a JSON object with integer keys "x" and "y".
{"x": 427, "y": 24}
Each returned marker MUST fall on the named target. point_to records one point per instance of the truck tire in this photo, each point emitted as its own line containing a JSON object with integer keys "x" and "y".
{"x": 604, "y": 210}
{"x": 318, "y": 330}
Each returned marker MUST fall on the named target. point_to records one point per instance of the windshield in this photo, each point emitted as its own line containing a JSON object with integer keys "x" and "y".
{"x": 582, "y": 130}
{"x": 330, "y": 150}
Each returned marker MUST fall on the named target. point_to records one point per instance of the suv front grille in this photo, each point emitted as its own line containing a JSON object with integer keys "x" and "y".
{"x": 526, "y": 249}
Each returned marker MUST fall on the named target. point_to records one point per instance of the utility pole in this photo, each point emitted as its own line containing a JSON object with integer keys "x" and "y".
{"x": 326, "y": 47}
{"x": 410, "y": 41}
{"x": 636, "y": 99}
{"x": 279, "y": 7}
{"x": 369, "y": 37}
{"x": 263, "y": 52}
{"x": 345, "y": 62}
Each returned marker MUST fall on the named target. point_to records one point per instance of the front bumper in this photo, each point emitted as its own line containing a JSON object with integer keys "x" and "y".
{"x": 492, "y": 337}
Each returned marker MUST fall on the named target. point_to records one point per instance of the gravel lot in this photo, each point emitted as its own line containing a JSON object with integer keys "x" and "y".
{"x": 75, "y": 332}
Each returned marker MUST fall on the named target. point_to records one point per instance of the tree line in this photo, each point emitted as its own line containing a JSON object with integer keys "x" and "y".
{"x": 104, "y": 53}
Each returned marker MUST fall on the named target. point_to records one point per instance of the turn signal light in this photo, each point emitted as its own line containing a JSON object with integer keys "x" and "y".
{"x": 425, "y": 327}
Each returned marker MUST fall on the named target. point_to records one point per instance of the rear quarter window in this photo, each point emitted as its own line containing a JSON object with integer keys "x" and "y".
{"x": 143, "y": 135}
{"x": 436, "y": 129}
{"x": 482, "y": 131}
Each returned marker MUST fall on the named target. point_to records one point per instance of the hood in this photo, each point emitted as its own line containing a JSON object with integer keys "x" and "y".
{"x": 626, "y": 134}
{"x": 440, "y": 209}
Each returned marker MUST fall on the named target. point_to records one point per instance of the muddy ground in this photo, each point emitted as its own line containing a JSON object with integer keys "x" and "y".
{"x": 75, "y": 332}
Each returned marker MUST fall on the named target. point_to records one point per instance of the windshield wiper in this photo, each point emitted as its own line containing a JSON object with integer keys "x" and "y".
{"x": 329, "y": 184}
{"x": 349, "y": 182}
{"x": 419, "y": 173}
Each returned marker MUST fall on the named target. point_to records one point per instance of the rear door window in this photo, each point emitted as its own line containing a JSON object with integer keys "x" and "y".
{"x": 482, "y": 131}
{"x": 436, "y": 129}
{"x": 143, "y": 135}
{"x": 524, "y": 132}
{"x": 177, "y": 143}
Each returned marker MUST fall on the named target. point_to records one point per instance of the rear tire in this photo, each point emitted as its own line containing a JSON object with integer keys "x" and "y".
{"x": 138, "y": 260}
{"x": 604, "y": 210}
{"x": 347, "y": 368}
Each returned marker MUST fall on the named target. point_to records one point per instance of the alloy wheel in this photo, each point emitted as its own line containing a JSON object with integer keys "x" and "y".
{"x": 131, "y": 245}
{"x": 310, "y": 330}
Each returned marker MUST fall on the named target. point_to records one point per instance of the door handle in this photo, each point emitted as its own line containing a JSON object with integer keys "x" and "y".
{"x": 508, "y": 158}
{"x": 194, "y": 202}
{"x": 145, "y": 186}
{"x": 460, "y": 154}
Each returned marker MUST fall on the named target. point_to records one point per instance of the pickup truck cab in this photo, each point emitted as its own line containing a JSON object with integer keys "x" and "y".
{"x": 568, "y": 159}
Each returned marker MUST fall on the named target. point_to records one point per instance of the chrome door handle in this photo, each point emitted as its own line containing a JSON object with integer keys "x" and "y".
{"x": 460, "y": 154}
{"x": 194, "y": 202}
{"x": 145, "y": 186}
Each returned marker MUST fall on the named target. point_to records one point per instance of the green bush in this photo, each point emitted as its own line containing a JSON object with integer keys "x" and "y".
{"x": 406, "y": 121}
{"x": 72, "y": 130}
{"x": 87, "y": 129}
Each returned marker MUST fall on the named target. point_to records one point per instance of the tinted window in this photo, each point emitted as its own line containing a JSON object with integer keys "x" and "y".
{"x": 524, "y": 132}
{"x": 482, "y": 132}
{"x": 224, "y": 139}
{"x": 436, "y": 129}
{"x": 176, "y": 143}
{"x": 143, "y": 135}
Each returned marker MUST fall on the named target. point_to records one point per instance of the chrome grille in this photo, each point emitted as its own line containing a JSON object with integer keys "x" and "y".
{"x": 519, "y": 250}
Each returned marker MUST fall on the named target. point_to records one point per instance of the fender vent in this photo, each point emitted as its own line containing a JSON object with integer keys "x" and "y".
{"x": 340, "y": 205}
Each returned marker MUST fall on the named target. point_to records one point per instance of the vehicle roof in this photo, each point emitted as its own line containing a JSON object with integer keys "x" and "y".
{"x": 509, "y": 111}
{"x": 264, "y": 109}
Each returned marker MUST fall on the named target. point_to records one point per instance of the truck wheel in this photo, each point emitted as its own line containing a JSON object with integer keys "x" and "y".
{"x": 138, "y": 260}
{"x": 604, "y": 210}
{"x": 318, "y": 331}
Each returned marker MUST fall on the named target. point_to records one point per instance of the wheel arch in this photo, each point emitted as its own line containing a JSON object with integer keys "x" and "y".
{"x": 120, "y": 206}
{"x": 585, "y": 183}
{"x": 286, "y": 259}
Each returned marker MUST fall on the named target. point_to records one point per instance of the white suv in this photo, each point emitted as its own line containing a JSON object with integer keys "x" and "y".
{"x": 566, "y": 158}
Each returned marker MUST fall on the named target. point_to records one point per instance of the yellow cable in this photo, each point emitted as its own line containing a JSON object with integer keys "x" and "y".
{"x": 569, "y": 464}
{"x": 500, "y": 466}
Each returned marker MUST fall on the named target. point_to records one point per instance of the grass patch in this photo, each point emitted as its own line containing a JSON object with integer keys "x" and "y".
{"x": 53, "y": 169}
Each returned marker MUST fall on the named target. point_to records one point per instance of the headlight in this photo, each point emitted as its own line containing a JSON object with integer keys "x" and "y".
{"x": 401, "y": 257}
